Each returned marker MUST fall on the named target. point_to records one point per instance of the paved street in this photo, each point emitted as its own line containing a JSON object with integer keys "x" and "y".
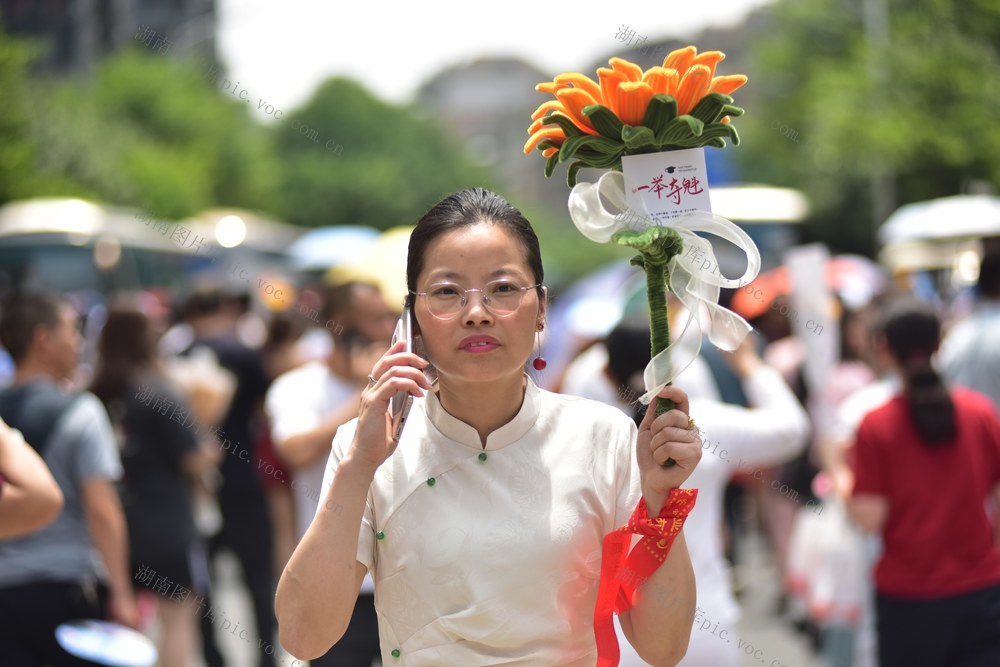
{"x": 779, "y": 644}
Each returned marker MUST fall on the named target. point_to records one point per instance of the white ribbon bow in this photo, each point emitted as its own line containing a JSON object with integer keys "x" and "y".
{"x": 694, "y": 275}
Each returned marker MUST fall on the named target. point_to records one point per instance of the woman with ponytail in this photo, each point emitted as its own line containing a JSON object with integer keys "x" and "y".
{"x": 927, "y": 464}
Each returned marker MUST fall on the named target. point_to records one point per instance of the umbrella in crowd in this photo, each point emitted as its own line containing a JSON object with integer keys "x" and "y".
{"x": 855, "y": 279}
{"x": 383, "y": 264}
{"x": 961, "y": 216}
{"x": 330, "y": 246}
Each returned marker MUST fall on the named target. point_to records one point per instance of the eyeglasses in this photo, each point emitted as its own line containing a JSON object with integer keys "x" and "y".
{"x": 500, "y": 297}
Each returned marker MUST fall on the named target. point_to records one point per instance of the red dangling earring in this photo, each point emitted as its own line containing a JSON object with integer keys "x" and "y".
{"x": 539, "y": 363}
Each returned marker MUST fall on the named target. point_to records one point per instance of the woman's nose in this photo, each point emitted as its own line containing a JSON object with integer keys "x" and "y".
{"x": 475, "y": 308}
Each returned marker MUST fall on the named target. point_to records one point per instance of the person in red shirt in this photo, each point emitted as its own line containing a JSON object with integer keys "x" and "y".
{"x": 927, "y": 466}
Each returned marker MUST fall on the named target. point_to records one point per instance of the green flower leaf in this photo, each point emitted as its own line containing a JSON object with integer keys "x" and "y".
{"x": 637, "y": 137}
{"x": 604, "y": 120}
{"x": 550, "y": 165}
{"x": 661, "y": 110}
{"x": 600, "y": 160}
{"x": 679, "y": 130}
{"x": 732, "y": 110}
{"x": 709, "y": 109}
{"x": 606, "y": 146}
{"x": 565, "y": 124}
{"x": 601, "y": 146}
{"x": 572, "y": 145}
{"x": 721, "y": 130}
{"x": 572, "y": 172}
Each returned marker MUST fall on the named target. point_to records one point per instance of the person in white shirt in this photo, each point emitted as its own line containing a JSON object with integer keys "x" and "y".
{"x": 307, "y": 405}
{"x": 734, "y": 439}
{"x": 970, "y": 353}
{"x": 482, "y": 526}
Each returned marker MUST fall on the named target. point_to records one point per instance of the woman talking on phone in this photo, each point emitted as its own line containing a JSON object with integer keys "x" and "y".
{"x": 482, "y": 526}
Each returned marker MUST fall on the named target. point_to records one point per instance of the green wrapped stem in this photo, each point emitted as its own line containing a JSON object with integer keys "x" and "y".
{"x": 657, "y": 246}
{"x": 659, "y": 326}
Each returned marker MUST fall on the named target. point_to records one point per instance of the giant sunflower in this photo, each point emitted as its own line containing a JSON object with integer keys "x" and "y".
{"x": 681, "y": 104}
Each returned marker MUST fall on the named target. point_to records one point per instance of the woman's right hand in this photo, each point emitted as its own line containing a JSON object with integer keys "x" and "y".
{"x": 395, "y": 371}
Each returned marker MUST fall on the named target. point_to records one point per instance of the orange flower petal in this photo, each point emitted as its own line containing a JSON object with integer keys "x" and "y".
{"x": 694, "y": 86}
{"x": 680, "y": 59}
{"x": 663, "y": 81}
{"x": 549, "y": 152}
{"x": 574, "y": 100}
{"x": 545, "y": 107}
{"x": 550, "y": 87}
{"x": 710, "y": 59}
{"x": 584, "y": 83}
{"x": 633, "y": 98}
{"x": 610, "y": 80}
{"x": 727, "y": 85}
{"x": 725, "y": 119}
{"x": 553, "y": 134}
{"x": 631, "y": 71}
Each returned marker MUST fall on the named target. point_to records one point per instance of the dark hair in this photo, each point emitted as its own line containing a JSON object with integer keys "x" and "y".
{"x": 338, "y": 301}
{"x": 989, "y": 276}
{"x": 126, "y": 349}
{"x": 283, "y": 329}
{"x": 21, "y": 314}
{"x": 628, "y": 350}
{"x": 912, "y": 332}
{"x": 202, "y": 302}
{"x": 628, "y": 354}
{"x": 465, "y": 209}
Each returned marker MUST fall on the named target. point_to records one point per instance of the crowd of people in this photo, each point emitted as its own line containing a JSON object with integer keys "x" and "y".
{"x": 185, "y": 440}
{"x": 186, "y": 435}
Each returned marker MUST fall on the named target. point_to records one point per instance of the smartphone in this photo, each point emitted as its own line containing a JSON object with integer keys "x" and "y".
{"x": 399, "y": 406}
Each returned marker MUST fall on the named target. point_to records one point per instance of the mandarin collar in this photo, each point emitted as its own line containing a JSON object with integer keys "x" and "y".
{"x": 455, "y": 429}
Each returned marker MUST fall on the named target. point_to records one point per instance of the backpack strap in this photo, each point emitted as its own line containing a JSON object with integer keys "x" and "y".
{"x": 35, "y": 409}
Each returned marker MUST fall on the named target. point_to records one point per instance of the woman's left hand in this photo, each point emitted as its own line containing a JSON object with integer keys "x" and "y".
{"x": 666, "y": 437}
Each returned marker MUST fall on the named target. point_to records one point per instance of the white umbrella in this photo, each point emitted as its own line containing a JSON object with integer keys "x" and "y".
{"x": 329, "y": 246}
{"x": 961, "y": 216}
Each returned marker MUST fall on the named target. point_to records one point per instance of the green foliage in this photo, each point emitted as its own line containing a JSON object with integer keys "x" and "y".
{"x": 839, "y": 109}
{"x": 151, "y": 132}
{"x": 391, "y": 166}
{"x": 144, "y": 131}
{"x": 17, "y": 150}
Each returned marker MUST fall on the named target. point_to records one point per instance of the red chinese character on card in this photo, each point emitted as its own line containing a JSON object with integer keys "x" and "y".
{"x": 672, "y": 189}
{"x": 692, "y": 186}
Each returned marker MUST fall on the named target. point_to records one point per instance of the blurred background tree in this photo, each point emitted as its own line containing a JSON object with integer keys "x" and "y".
{"x": 390, "y": 165}
{"x": 19, "y": 176}
{"x": 893, "y": 95}
{"x": 847, "y": 98}
{"x": 153, "y": 133}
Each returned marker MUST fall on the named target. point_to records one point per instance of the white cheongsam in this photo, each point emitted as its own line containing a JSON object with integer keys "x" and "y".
{"x": 491, "y": 556}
